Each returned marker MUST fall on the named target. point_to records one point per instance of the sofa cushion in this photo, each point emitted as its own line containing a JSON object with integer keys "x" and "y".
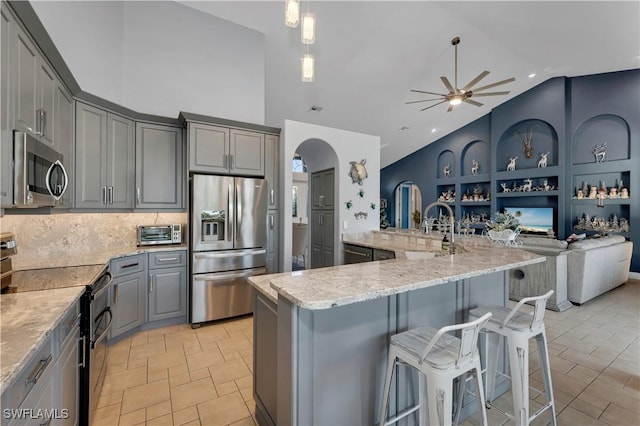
{"x": 597, "y": 242}
{"x": 544, "y": 242}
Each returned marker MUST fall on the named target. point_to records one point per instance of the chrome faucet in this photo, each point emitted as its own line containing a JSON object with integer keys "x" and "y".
{"x": 451, "y": 220}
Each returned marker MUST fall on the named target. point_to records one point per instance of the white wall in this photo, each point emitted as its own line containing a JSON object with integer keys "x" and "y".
{"x": 346, "y": 146}
{"x": 160, "y": 57}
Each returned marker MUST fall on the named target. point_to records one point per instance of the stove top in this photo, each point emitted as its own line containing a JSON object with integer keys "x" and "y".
{"x": 52, "y": 278}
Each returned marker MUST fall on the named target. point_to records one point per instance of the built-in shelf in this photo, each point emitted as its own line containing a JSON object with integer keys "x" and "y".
{"x": 587, "y": 201}
{"x": 527, "y": 194}
{"x": 528, "y": 173}
{"x": 475, "y": 203}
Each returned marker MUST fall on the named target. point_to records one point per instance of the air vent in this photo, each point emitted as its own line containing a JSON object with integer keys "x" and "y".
{"x": 315, "y": 108}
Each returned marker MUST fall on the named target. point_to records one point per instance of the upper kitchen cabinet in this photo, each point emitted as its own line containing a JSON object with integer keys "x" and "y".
{"x": 271, "y": 169}
{"x": 7, "y": 21}
{"x": 64, "y": 139}
{"x": 159, "y": 170}
{"x": 104, "y": 159}
{"x": 220, "y": 150}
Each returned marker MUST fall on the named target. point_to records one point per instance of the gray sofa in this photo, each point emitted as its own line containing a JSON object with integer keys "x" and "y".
{"x": 596, "y": 266}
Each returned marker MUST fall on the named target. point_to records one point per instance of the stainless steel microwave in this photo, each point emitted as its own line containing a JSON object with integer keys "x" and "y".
{"x": 39, "y": 177}
{"x": 159, "y": 234}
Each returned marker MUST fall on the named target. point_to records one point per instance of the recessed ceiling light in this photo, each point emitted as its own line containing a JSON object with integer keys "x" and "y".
{"x": 532, "y": 75}
{"x": 315, "y": 108}
{"x": 434, "y": 130}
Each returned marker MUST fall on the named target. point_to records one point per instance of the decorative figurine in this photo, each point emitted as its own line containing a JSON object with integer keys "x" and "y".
{"x": 446, "y": 171}
{"x": 512, "y": 164}
{"x": 505, "y": 188}
{"x": 358, "y": 172}
{"x": 348, "y": 204}
{"x": 624, "y": 193}
{"x": 361, "y": 193}
{"x": 475, "y": 166}
{"x": 580, "y": 194}
{"x": 602, "y": 194}
{"x": 546, "y": 186}
{"x": 373, "y": 206}
{"x": 613, "y": 192}
{"x": 526, "y": 187}
{"x": 600, "y": 152}
{"x": 593, "y": 192}
{"x": 543, "y": 160}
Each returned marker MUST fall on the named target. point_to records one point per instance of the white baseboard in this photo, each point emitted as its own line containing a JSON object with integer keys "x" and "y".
{"x": 634, "y": 275}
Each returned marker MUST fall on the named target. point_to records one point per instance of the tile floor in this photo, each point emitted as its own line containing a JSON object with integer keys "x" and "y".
{"x": 176, "y": 375}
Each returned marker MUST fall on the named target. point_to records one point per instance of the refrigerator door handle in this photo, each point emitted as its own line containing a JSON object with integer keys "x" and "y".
{"x": 221, "y": 255}
{"x": 230, "y": 217}
{"x": 237, "y": 216}
{"x": 220, "y": 276}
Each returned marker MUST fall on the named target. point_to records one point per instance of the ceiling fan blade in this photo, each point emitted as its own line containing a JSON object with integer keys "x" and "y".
{"x": 489, "y": 94}
{"x": 489, "y": 86}
{"x": 447, "y": 84}
{"x": 469, "y": 101}
{"x": 428, "y": 93}
{"x": 480, "y": 76}
{"x": 423, "y": 100}
{"x": 431, "y": 106}
{"x": 451, "y": 107}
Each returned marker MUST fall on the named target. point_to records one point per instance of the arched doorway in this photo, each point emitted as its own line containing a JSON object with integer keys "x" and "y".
{"x": 408, "y": 205}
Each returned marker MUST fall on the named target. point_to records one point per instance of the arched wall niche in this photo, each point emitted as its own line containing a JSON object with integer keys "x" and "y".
{"x": 544, "y": 139}
{"x": 446, "y": 158}
{"x": 597, "y": 130}
{"x": 476, "y": 150}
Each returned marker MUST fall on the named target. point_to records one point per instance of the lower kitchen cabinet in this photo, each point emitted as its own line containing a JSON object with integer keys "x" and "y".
{"x": 265, "y": 343}
{"x": 272, "y": 241}
{"x": 167, "y": 293}
{"x": 67, "y": 380}
{"x": 128, "y": 294}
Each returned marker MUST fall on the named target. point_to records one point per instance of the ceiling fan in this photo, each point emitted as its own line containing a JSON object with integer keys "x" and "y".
{"x": 456, "y": 96}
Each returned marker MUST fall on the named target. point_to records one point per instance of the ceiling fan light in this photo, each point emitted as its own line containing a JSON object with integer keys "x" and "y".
{"x": 456, "y": 100}
{"x": 292, "y": 13}
{"x": 308, "y": 30}
{"x": 307, "y": 68}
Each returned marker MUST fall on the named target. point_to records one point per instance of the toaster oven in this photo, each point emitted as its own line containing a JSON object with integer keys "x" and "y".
{"x": 159, "y": 234}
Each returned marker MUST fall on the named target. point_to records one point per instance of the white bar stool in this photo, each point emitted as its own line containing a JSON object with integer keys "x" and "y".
{"x": 441, "y": 358}
{"x": 517, "y": 327}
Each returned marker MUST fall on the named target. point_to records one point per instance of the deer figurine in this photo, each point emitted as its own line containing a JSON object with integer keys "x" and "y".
{"x": 526, "y": 186}
{"x": 543, "y": 160}
{"x": 446, "y": 171}
{"x": 475, "y": 166}
{"x": 512, "y": 164}
{"x": 600, "y": 152}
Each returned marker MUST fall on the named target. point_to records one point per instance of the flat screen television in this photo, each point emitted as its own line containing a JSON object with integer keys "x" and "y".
{"x": 533, "y": 220}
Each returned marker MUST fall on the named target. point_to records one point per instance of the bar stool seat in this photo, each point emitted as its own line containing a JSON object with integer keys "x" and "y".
{"x": 517, "y": 328}
{"x": 440, "y": 358}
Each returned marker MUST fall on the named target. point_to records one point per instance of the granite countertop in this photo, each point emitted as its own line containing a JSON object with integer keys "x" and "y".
{"x": 325, "y": 288}
{"x": 96, "y": 257}
{"x": 27, "y": 320}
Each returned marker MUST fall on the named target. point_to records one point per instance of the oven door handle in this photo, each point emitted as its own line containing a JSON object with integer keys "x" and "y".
{"x": 98, "y": 339}
{"x": 105, "y": 287}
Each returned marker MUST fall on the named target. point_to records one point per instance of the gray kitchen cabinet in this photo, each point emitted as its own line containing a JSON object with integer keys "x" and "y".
{"x": 265, "y": 379}
{"x": 167, "y": 285}
{"x": 63, "y": 138}
{"x": 104, "y": 159}
{"x": 272, "y": 241}
{"x": 272, "y": 169}
{"x": 220, "y": 150}
{"x": 159, "y": 170}
{"x": 128, "y": 294}
{"x": 7, "y": 22}
{"x": 322, "y": 189}
{"x": 322, "y": 247}
{"x": 67, "y": 380}
{"x": 46, "y": 88}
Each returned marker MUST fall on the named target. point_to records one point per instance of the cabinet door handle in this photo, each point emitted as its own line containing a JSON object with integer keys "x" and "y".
{"x": 138, "y": 195}
{"x": 110, "y": 192}
{"x": 321, "y": 219}
{"x": 44, "y": 363}
{"x": 38, "y": 122}
{"x": 43, "y": 122}
{"x": 115, "y": 293}
{"x": 166, "y": 259}
{"x": 129, "y": 265}
{"x": 272, "y": 196}
{"x": 231, "y": 161}
{"x": 224, "y": 161}
{"x": 150, "y": 283}
{"x": 357, "y": 253}
{"x": 83, "y": 341}
{"x": 104, "y": 195}
{"x": 271, "y": 221}
{"x": 321, "y": 200}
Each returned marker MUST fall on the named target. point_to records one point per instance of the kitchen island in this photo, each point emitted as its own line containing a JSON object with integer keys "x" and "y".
{"x": 320, "y": 336}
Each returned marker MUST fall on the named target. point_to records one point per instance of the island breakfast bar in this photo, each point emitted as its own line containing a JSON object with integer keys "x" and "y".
{"x": 321, "y": 336}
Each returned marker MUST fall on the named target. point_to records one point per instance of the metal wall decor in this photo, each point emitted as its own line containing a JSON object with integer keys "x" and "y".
{"x": 527, "y": 138}
{"x": 361, "y": 215}
{"x": 358, "y": 172}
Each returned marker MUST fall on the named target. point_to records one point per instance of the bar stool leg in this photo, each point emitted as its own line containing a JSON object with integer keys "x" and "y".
{"x": 492, "y": 345}
{"x": 440, "y": 401}
{"x": 391, "y": 365}
{"x": 519, "y": 365}
{"x": 480, "y": 394}
{"x": 546, "y": 372}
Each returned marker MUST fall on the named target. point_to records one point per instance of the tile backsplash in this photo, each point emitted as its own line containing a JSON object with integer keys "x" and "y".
{"x": 75, "y": 235}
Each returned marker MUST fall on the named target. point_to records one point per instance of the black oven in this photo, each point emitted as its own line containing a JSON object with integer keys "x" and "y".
{"x": 96, "y": 323}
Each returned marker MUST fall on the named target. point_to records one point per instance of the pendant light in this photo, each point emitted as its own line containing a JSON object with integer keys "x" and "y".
{"x": 292, "y": 13}
{"x": 308, "y": 30}
{"x": 307, "y": 67}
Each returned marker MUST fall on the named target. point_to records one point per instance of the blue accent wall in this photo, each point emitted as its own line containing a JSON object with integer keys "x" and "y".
{"x": 570, "y": 116}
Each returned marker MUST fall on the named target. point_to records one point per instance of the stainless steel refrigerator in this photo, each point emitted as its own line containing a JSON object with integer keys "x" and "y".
{"x": 228, "y": 237}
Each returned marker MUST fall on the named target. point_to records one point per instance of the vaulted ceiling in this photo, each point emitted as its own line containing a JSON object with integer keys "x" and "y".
{"x": 369, "y": 54}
